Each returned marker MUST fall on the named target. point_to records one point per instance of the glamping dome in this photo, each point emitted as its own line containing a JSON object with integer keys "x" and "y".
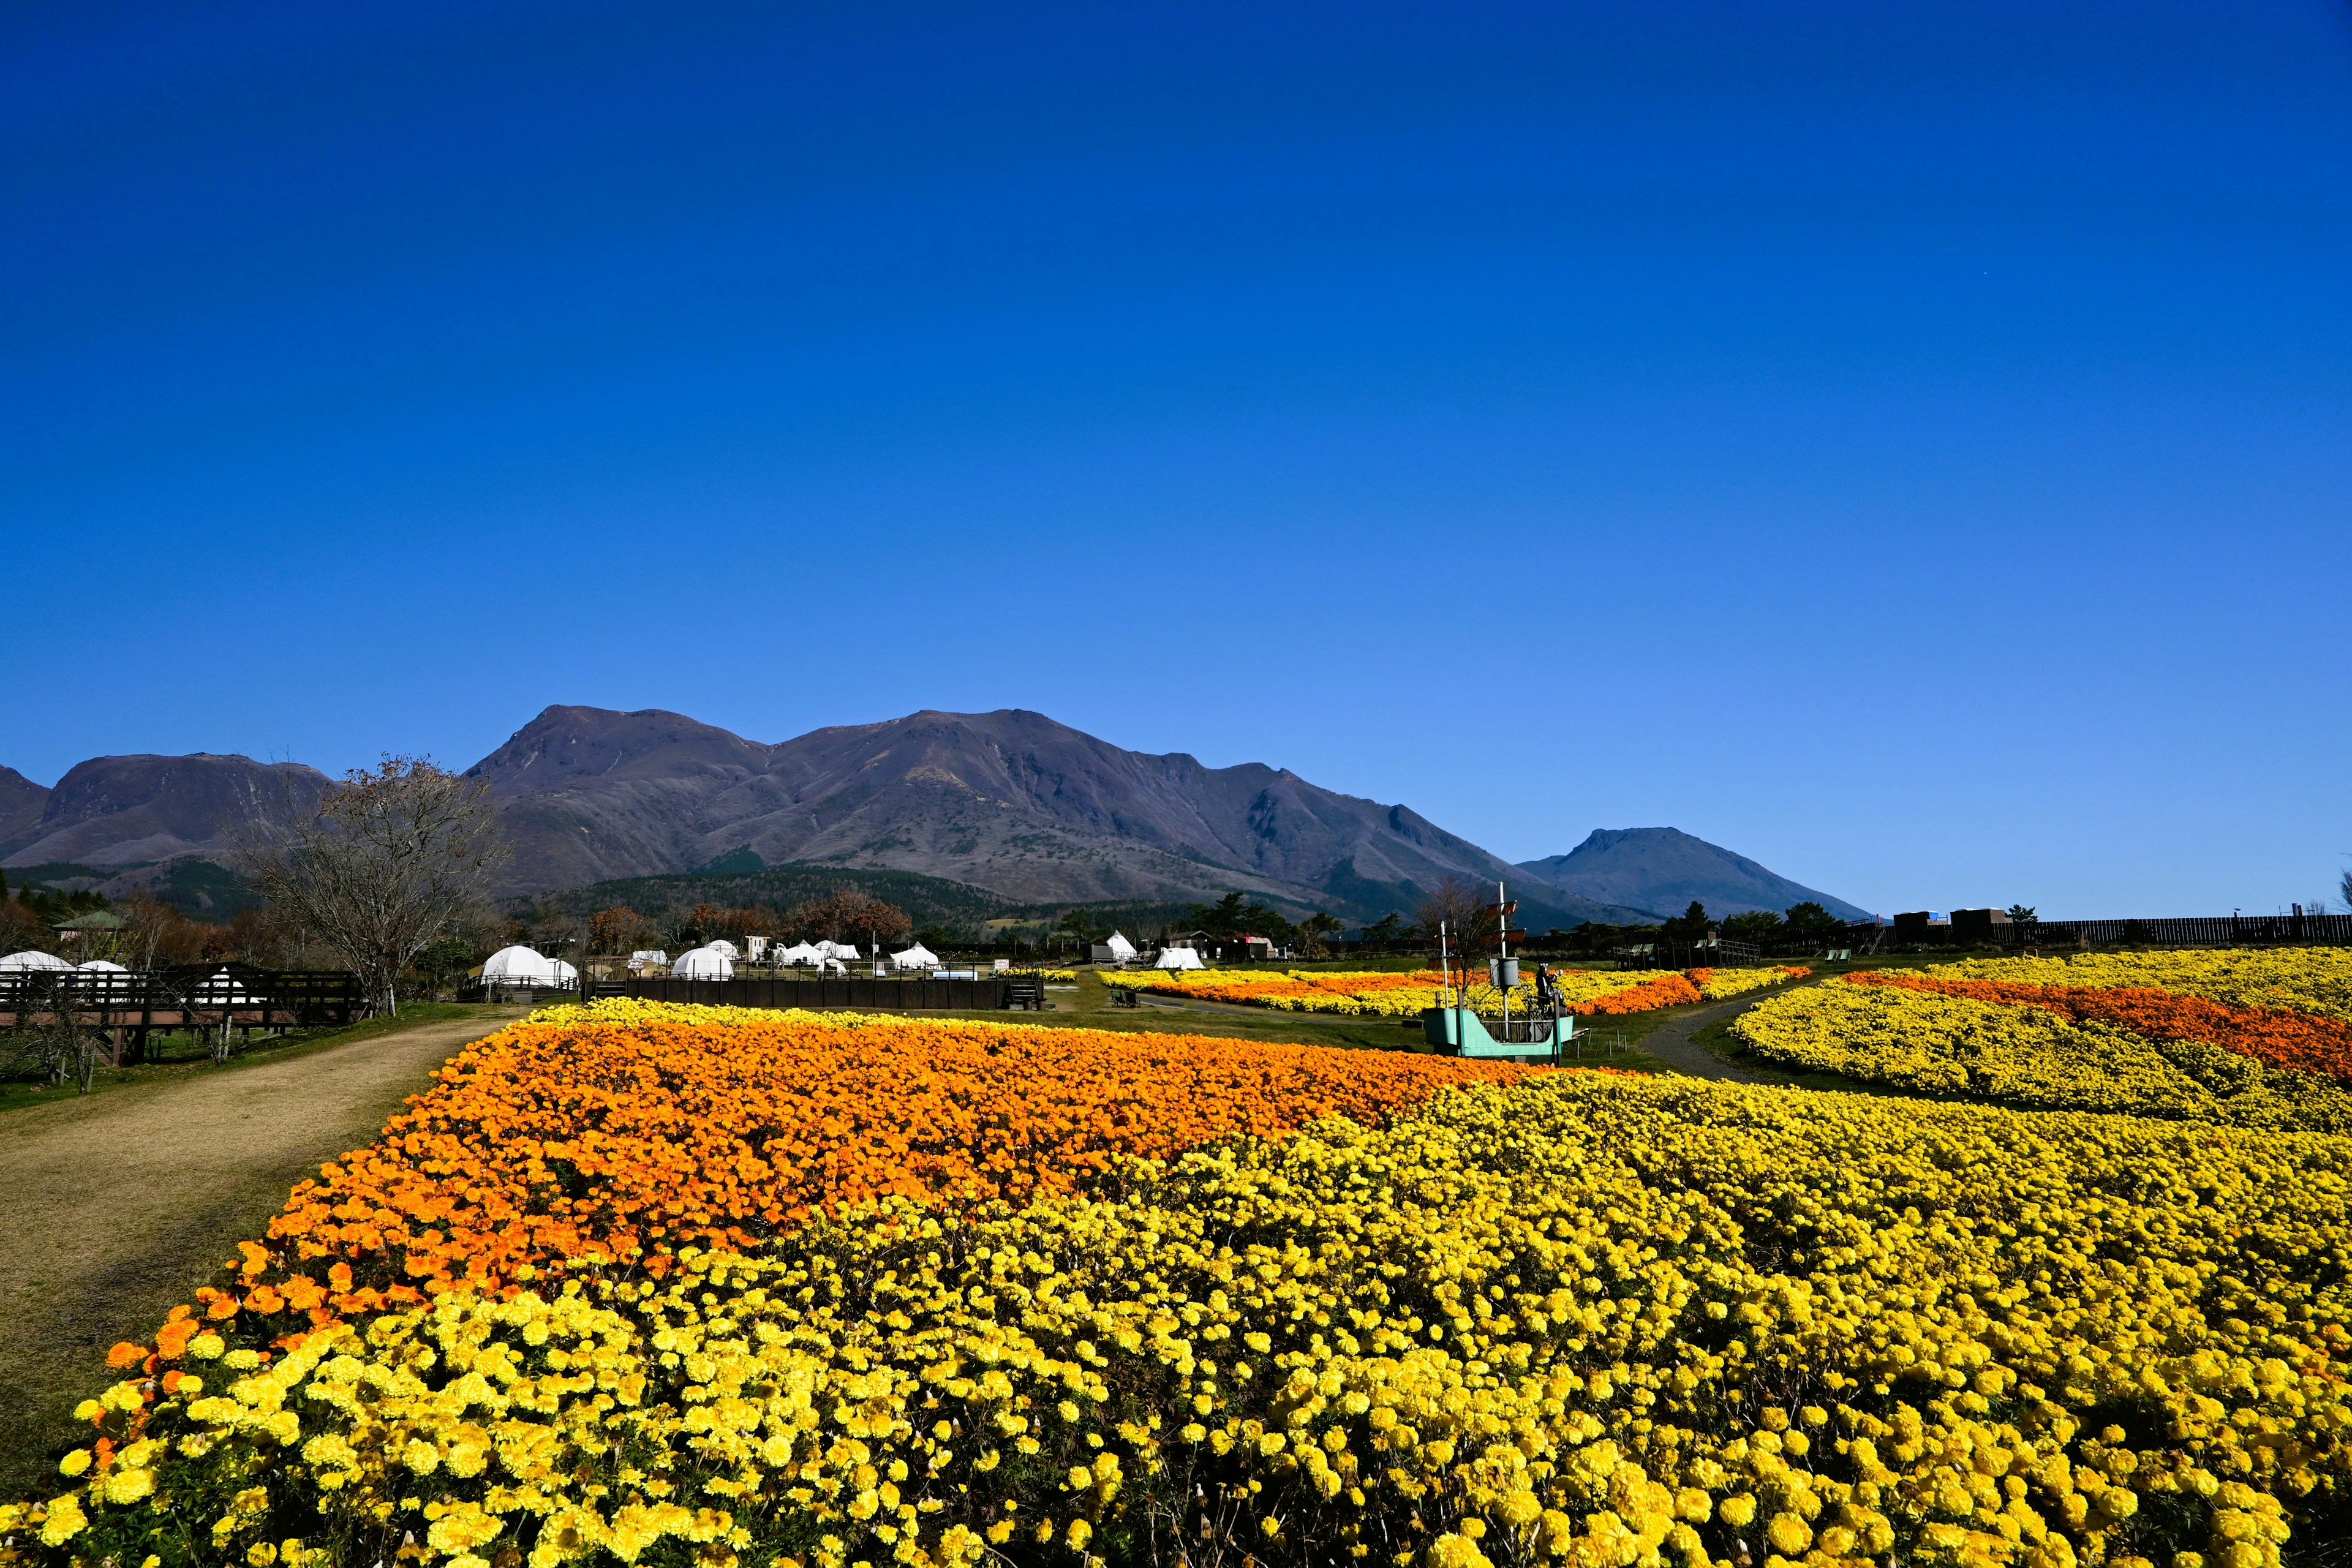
{"x": 31, "y": 960}
{"x": 99, "y": 966}
{"x": 725, "y": 950}
{"x": 518, "y": 966}
{"x": 702, "y": 964}
{"x": 220, "y": 991}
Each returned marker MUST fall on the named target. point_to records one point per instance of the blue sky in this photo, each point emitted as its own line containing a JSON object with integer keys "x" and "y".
{"x": 1907, "y": 445}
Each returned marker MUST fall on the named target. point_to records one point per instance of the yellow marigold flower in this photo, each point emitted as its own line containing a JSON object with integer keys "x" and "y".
{"x": 62, "y": 1522}
{"x": 75, "y": 1463}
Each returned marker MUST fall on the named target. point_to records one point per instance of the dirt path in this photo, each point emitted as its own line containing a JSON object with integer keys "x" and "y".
{"x": 113, "y": 1209}
{"x": 1673, "y": 1043}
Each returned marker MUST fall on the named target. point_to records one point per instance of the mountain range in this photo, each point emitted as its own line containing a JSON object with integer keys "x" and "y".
{"x": 1010, "y": 801}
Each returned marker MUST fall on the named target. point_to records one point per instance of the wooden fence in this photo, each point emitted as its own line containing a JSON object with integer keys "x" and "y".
{"x": 988, "y": 994}
{"x": 132, "y": 1005}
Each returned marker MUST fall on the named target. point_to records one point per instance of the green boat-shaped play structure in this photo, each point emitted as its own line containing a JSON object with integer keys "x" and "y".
{"x": 1462, "y": 1031}
{"x": 1456, "y": 1028}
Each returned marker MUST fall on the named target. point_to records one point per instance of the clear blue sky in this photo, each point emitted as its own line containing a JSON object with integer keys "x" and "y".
{"x": 1911, "y": 445}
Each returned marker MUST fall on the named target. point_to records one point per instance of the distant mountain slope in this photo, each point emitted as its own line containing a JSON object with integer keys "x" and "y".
{"x": 21, "y": 802}
{"x": 116, "y": 810}
{"x": 1662, "y": 869}
{"x": 1008, "y": 801}
{"x": 931, "y": 900}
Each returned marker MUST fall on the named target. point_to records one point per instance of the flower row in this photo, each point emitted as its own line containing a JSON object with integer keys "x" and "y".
{"x": 2077, "y": 1057}
{"x": 1579, "y": 1318}
{"x": 624, "y": 1130}
{"x": 1391, "y": 993}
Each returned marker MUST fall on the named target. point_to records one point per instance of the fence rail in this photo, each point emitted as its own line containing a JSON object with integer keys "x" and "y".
{"x": 972, "y": 995}
{"x": 129, "y": 1006}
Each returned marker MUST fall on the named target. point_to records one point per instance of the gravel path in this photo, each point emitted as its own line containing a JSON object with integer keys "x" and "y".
{"x": 1673, "y": 1043}
{"x": 115, "y": 1208}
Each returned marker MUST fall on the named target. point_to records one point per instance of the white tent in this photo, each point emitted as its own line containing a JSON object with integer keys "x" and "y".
{"x": 220, "y": 991}
{"x": 99, "y": 966}
{"x": 802, "y": 953}
{"x": 702, "y": 964}
{"x": 915, "y": 957}
{"x": 563, "y": 973}
{"x": 1178, "y": 958}
{"x": 725, "y": 950}
{"x": 1120, "y": 948}
{"x": 518, "y": 966}
{"x": 31, "y": 960}
{"x": 837, "y": 949}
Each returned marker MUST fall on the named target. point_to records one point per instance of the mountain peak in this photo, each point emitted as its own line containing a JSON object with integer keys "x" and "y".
{"x": 1663, "y": 869}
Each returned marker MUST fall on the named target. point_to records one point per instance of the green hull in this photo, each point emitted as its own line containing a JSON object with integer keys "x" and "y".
{"x": 1460, "y": 1031}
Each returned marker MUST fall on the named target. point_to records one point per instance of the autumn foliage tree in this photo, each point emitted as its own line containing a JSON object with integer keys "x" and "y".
{"x": 846, "y": 915}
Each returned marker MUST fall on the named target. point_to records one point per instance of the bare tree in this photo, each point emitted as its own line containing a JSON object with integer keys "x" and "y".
{"x": 391, "y": 859}
{"x": 1467, "y": 910}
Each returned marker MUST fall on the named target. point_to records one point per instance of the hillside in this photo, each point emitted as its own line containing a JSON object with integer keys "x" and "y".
{"x": 1009, "y": 807}
{"x": 121, "y": 811}
{"x": 1664, "y": 868}
{"x": 1008, "y": 801}
{"x": 931, "y": 900}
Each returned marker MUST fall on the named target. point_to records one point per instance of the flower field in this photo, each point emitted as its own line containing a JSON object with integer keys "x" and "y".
{"x": 1218, "y": 1303}
{"x": 1229, "y": 1301}
{"x": 2255, "y": 1039}
{"x": 1394, "y": 995}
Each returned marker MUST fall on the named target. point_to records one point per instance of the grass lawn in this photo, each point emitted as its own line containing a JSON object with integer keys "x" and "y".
{"x": 186, "y": 1058}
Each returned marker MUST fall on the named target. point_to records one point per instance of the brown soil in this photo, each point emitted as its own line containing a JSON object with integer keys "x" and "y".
{"x": 115, "y": 1208}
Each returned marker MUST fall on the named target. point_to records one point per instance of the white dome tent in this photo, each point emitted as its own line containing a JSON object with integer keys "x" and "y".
{"x": 702, "y": 963}
{"x": 1180, "y": 958}
{"x": 33, "y": 960}
{"x": 99, "y": 966}
{"x": 724, "y": 949}
{"x": 518, "y": 966}
{"x": 915, "y": 957}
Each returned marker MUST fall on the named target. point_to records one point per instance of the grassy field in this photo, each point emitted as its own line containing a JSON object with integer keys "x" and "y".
{"x": 182, "y": 1057}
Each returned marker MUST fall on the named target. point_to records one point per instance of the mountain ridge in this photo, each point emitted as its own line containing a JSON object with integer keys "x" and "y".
{"x": 1010, "y": 801}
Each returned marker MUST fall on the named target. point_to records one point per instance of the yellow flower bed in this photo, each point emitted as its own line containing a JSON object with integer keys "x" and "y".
{"x": 2026, "y": 1055}
{"x": 1376, "y": 993}
{"x": 1719, "y": 984}
{"x": 1593, "y": 1320}
{"x": 2303, "y": 979}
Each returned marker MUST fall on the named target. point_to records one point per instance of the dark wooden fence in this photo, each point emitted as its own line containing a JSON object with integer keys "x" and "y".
{"x": 131, "y": 1007}
{"x": 977, "y": 994}
{"x": 2194, "y": 930}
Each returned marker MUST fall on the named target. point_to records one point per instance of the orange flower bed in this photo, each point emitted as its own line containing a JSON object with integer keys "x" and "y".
{"x": 563, "y": 1145}
{"x": 1665, "y": 990}
{"x": 2303, "y": 1042}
